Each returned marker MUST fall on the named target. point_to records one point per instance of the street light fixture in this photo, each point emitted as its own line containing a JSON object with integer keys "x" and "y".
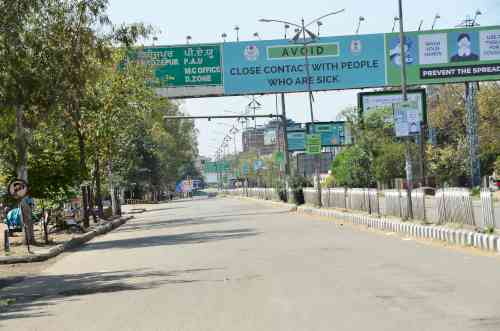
{"x": 224, "y": 36}
{"x": 319, "y": 23}
{"x": 420, "y": 25}
{"x": 360, "y": 19}
{"x": 436, "y": 17}
{"x": 476, "y": 15}
{"x": 188, "y": 39}
{"x": 287, "y": 26}
{"x": 237, "y": 29}
{"x": 396, "y": 19}
{"x": 256, "y": 35}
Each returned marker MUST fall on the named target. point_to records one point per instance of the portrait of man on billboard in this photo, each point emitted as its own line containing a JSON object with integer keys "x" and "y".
{"x": 464, "y": 49}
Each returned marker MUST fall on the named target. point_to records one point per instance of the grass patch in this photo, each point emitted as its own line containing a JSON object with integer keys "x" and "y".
{"x": 7, "y": 302}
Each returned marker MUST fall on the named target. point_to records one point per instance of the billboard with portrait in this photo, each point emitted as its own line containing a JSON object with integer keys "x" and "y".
{"x": 445, "y": 56}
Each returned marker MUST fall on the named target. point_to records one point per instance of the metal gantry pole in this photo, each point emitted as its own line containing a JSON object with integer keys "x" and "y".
{"x": 317, "y": 158}
{"x": 408, "y": 161}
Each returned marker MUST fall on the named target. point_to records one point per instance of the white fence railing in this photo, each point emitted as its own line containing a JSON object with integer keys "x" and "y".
{"x": 449, "y": 205}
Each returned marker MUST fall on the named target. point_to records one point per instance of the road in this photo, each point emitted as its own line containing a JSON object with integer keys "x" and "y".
{"x": 223, "y": 264}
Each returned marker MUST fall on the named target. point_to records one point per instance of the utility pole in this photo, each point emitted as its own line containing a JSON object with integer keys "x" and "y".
{"x": 472, "y": 120}
{"x": 317, "y": 158}
{"x": 408, "y": 161}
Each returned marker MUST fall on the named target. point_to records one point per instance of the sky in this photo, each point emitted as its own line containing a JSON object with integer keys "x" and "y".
{"x": 205, "y": 21}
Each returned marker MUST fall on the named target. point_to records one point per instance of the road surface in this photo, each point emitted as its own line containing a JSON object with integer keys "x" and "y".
{"x": 223, "y": 264}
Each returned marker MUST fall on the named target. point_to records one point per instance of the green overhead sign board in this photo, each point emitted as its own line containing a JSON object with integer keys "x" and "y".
{"x": 191, "y": 68}
{"x": 217, "y": 167}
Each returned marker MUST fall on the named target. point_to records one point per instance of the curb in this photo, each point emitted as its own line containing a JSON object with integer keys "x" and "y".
{"x": 70, "y": 244}
{"x": 291, "y": 206}
{"x": 458, "y": 237}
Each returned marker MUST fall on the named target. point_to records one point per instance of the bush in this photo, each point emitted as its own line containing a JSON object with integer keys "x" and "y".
{"x": 296, "y": 185}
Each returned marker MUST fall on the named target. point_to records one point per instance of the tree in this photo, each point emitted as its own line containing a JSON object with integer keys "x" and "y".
{"x": 352, "y": 168}
{"x": 29, "y": 75}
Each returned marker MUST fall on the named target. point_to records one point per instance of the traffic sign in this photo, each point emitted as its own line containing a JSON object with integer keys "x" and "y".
{"x": 313, "y": 144}
{"x": 18, "y": 189}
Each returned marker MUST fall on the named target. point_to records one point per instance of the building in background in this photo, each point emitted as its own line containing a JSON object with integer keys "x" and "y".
{"x": 263, "y": 139}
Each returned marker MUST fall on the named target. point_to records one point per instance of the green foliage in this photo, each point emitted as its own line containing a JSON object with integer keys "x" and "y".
{"x": 448, "y": 164}
{"x": 61, "y": 72}
{"x": 389, "y": 162}
{"x": 352, "y": 167}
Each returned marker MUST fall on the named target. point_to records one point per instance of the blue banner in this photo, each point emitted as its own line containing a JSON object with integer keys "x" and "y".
{"x": 273, "y": 66}
{"x": 332, "y": 133}
{"x": 296, "y": 139}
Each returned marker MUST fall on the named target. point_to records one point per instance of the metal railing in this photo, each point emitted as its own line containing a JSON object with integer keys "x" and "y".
{"x": 449, "y": 205}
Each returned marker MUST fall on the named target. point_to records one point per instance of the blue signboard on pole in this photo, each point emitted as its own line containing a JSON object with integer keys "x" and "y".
{"x": 296, "y": 139}
{"x": 332, "y": 133}
{"x": 271, "y": 66}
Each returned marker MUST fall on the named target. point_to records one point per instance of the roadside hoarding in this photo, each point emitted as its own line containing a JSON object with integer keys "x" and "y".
{"x": 185, "y": 70}
{"x": 383, "y": 101}
{"x": 445, "y": 56}
{"x": 332, "y": 133}
{"x": 270, "y": 137}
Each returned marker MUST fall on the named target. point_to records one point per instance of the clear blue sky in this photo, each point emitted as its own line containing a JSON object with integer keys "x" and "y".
{"x": 205, "y": 21}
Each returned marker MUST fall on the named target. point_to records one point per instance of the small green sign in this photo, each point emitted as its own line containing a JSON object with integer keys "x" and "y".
{"x": 246, "y": 169}
{"x": 298, "y": 51}
{"x": 313, "y": 144}
{"x": 279, "y": 156}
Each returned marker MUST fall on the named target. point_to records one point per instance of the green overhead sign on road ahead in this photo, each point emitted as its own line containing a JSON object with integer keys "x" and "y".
{"x": 193, "y": 69}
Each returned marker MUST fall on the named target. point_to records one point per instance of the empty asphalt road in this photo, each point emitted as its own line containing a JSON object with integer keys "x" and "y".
{"x": 222, "y": 264}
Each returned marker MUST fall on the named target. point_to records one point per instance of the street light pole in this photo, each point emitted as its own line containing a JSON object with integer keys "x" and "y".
{"x": 409, "y": 170}
{"x": 302, "y": 30}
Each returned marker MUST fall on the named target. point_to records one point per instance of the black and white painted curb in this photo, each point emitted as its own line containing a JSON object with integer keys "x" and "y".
{"x": 459, "y": 237}
{"x": 72, "y": 243}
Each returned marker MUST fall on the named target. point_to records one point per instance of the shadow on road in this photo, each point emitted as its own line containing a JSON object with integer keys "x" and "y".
{"x": 155, "y": 225}
{"x": 146, "y": 224}
{"x": 30, "y": 298}
{"x": 175, "y": 239}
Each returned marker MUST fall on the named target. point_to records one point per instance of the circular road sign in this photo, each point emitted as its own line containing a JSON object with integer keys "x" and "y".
{"x": 18, "y": 189}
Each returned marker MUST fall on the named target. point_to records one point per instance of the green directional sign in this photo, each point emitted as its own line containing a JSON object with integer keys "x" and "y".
{"x": 185, "y": 65}
{"x": 313, "y": 144}
{"x": 279, "y": 156}
{"x": 214, "y": 167}
{"x": 246, "y": 168}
